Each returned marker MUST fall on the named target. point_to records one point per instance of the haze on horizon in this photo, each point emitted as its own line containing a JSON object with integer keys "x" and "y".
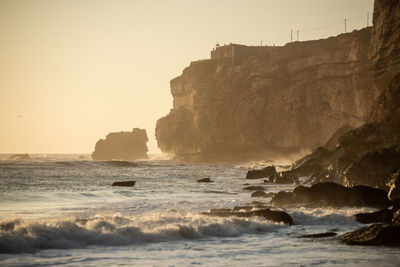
{"x": 73, "y": 71}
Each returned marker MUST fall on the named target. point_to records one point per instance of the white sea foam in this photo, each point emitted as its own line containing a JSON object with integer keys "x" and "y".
{"x": 19, "y": 235}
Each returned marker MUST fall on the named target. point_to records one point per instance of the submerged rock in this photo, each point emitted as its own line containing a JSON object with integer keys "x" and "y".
{"x": 260, "y": 193}
{"x": 251, "y": 211}
{"x": 269, "y": 171}
{"x": 122, "y": 146}
{"x": 334, "y": 195}
{"x": 124, "y": 183}
{"x": 205, "y": 180}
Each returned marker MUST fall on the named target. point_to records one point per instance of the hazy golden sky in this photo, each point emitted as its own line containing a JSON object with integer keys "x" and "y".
{"x": 72, "y": 71}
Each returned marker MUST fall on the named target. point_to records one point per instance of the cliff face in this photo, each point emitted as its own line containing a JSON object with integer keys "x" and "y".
{"x": 122, "y": 146}
{"x": 385, "y": 42}
{"x": 370, "y": 154}
{"x": 385, "y": 58}
{"x": 254, "y": 102}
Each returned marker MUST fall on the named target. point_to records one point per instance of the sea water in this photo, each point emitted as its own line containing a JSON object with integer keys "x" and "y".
{"x": 62, "y": 210}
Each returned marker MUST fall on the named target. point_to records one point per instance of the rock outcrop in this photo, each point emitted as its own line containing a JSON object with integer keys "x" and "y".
{"x": 251, "y": 211}
{"x": 333, "y": 195}
{"x": 122, "y": 146}
{"x": 258, "y": 102}
{"x": 370, "y": 154}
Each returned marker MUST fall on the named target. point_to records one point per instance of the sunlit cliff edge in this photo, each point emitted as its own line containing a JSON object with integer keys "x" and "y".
{"x": 248, "y": 103}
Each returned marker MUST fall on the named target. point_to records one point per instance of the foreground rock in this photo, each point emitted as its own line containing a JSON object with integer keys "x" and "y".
{"x": 251, "y": 211}
{"x": 381, "y": 216}
{"x": 205, "y": 180}
{"x": 376, "y": 234}
{"x": 122, "y": 146}
{"x": 269, "y": 171}
{"x": 20, "y": 157}
{"x": 260, "y": 193}
{"x": 333, "y": 195}
{"x": 124, "y": 183}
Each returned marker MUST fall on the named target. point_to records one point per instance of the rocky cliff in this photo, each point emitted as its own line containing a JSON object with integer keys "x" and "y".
{"x": 370, "y": 154}
{"x": 257, "y": 102}
{"x": 122, "y": 146}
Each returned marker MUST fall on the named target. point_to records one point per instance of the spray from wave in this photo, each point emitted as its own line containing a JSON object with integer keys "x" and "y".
{"x": 17, "y": 236}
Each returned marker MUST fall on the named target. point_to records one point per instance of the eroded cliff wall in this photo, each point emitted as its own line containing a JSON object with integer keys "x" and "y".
{"x": 279, "y": 100}
{"x": 370, "y": 154}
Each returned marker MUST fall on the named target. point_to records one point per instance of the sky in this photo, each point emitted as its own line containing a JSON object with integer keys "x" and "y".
{"x": 71, "y": 71}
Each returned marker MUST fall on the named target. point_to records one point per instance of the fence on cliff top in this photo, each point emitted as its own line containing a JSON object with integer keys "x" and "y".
{"x": 296, "y": 34}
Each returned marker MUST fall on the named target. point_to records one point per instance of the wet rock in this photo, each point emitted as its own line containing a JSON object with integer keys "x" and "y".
{"x": 334, "y": 195}
{"x": 124, "y": 183}
{"x": 376, "y": 234}
{"x": 269, "y": 171}
{"x": 20, "y": 157}
{"x": 205, "y": 180}
{"x": 318, "y": 235}
{"x": 375, "y": 168}
{"x": 261, "y": 193}
{"x": 251, "y": 211}
{"x": 381, "y": 216}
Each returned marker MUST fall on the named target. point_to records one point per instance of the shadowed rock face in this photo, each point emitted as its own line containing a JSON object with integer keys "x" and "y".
{"x": 122, "y": 146}
{"x": 333, "y": 195}
{"x": 370, "y": 154}
{"x": 278, "y": 102}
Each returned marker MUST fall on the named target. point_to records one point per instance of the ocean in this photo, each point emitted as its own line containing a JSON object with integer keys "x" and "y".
{"x": 61, "y": 210}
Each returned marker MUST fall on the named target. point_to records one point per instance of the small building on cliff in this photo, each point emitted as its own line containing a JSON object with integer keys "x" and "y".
{"x": 237, "y": 53}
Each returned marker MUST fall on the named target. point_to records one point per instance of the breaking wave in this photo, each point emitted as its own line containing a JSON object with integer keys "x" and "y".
{"x": 18, "y": 236}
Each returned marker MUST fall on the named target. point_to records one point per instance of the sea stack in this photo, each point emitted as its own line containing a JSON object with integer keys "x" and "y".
{"x": 122, "y": 146}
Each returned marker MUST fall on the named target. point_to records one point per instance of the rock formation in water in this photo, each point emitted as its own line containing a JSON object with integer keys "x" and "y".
{"x": 20, "y": 157}
{"x": 122, "y": 146}
{"x": 254, "y": 102}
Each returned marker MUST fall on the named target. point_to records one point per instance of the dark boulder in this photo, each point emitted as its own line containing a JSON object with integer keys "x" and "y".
{"x": 124, "y": 183}
{"x": 375, "y": 234}
{"x": 251, "y": 211}
{"x": 260, "y": 193}
{"x": 375, "y": 168}
{"x": 205, "y": 180}
{"x": 334, "y": 195}
{"x": 381, "y": 216}
{"x": 269, "y": 171}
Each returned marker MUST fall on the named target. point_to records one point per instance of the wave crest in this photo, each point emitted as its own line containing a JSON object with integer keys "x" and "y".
{"x": 17, "y": 236}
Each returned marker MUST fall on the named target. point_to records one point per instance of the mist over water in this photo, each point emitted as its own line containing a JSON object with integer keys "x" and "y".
{"x": 63, "y": 211}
